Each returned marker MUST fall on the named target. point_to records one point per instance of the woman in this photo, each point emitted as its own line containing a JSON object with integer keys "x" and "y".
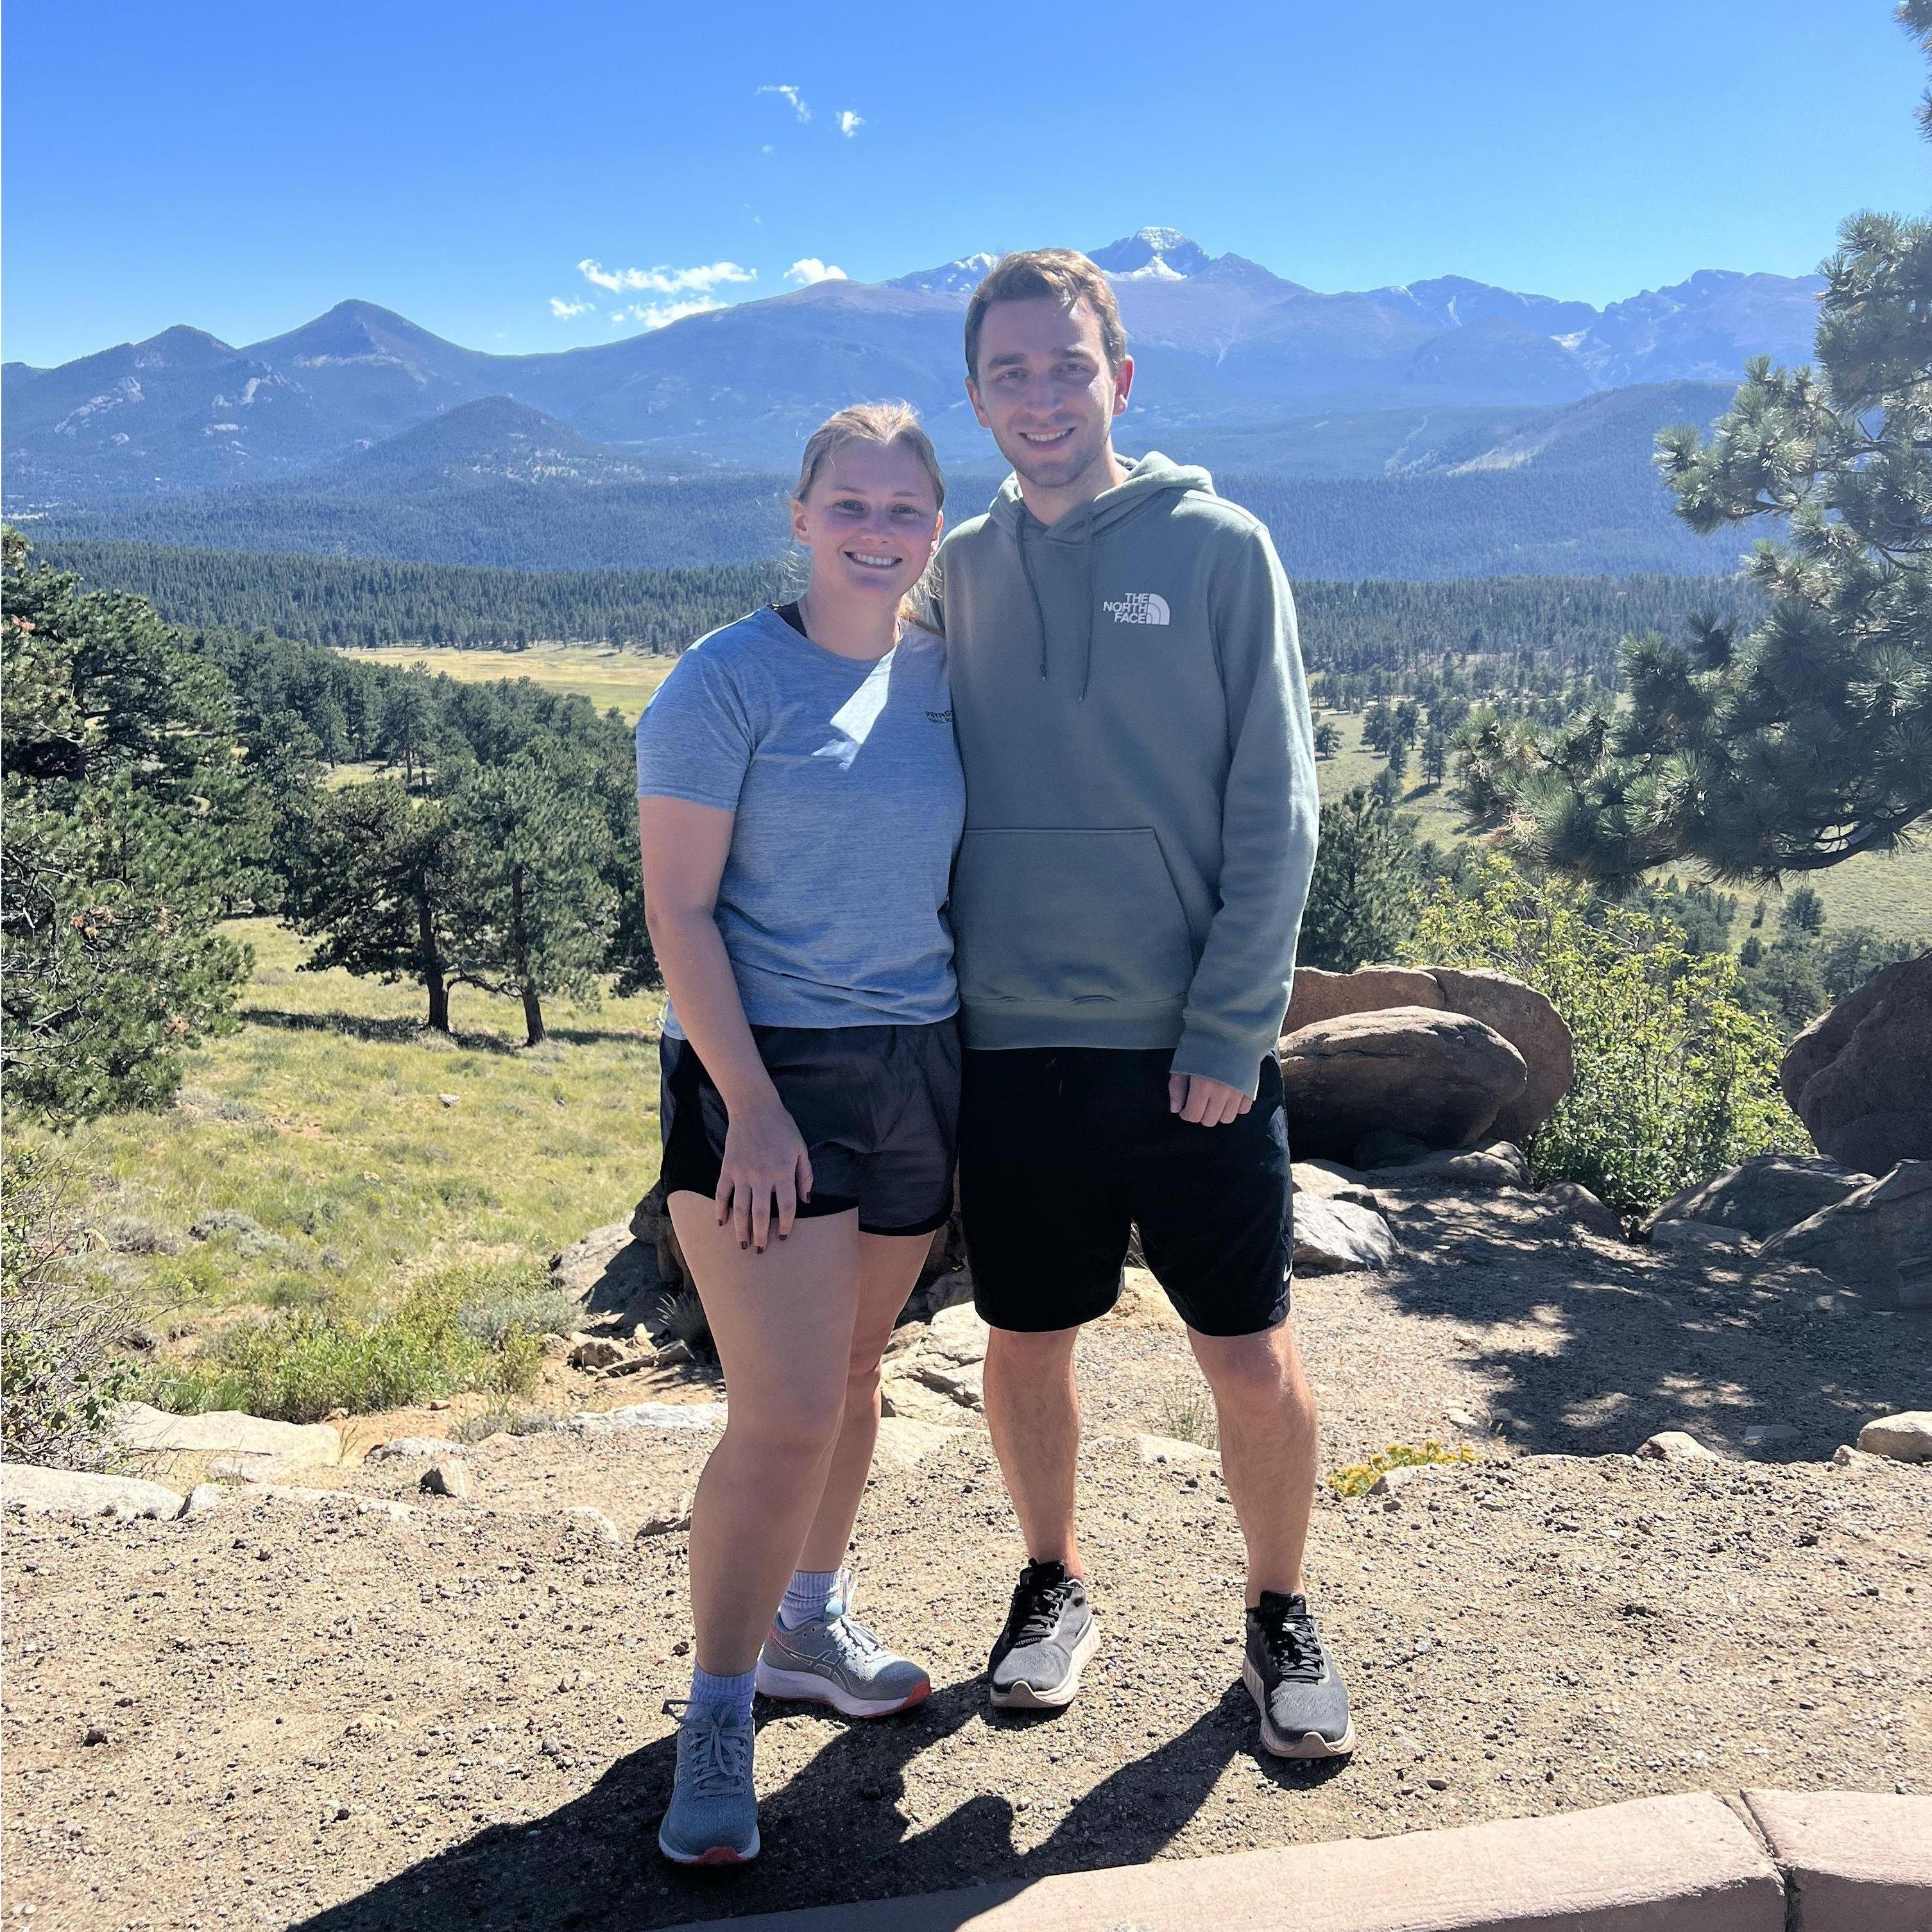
{"x": 800, "y": 799}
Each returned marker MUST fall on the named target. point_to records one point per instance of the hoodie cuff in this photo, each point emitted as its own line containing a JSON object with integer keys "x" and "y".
{"x": 1236, "y": 1064}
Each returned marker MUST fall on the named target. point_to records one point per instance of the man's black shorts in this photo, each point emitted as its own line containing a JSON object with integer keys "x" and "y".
{"x": 877, "y": 1107}
{"x": 1062, "y": 1151}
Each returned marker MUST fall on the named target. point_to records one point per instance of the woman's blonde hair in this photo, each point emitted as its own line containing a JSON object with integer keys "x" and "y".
{"x": 884, "y": 423}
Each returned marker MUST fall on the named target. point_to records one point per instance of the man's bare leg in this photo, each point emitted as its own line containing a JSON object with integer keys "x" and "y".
{"x": 1032, "y": 1410}
{"x": 1270, "y": 1447}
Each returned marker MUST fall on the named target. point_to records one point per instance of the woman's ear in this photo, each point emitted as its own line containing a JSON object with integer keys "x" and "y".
{"x": 798, "y": 530}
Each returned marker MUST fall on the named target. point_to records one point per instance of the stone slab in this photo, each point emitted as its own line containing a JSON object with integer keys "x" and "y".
{"x": 1854, "y": 1860}
{"x": 227, "y": 1432}
{"x": 1681, "y": 1863}
{"x": 70, "y": 1492}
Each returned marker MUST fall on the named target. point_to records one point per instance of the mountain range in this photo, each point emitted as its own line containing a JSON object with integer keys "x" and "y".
{"x": 1237, "y": 366}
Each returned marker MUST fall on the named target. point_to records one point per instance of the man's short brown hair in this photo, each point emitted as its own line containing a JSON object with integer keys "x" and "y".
{"x": 1064, "y": 275}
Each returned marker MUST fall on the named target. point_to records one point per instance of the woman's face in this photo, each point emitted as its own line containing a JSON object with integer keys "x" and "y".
{"x": 870, "y": 521}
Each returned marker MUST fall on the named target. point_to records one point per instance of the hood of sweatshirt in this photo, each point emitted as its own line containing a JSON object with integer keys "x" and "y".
{"x": 1152, "y": 477}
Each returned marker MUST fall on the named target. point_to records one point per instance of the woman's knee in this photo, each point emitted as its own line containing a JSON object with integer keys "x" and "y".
{"x": 799, "y": 1425}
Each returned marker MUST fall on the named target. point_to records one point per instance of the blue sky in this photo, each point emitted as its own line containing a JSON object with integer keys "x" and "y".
{"x": 242, "y": 167}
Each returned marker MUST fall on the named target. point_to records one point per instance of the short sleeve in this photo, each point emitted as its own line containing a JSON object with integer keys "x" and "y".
{"x": 695, "y": 740}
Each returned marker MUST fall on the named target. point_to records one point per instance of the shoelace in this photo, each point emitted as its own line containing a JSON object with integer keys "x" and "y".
{"x": 719, "y": 1755}
{"x": 1293, "y": 1646}
{"x": 1036, "y": 1609}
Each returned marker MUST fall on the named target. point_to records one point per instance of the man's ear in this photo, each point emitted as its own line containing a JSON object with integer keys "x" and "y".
{"x": 1123, "y": 381}
{"x": 973, "y": 397}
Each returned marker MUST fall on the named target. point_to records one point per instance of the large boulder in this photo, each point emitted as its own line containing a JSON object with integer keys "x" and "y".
{"x": 1770, "y": 1192}
{"x": 1861, "y": 1078}
{"x": 1441, "y": 1077}
{"x": 1532, "y": 1026}
{"x": 1334, "y": 1236}
{"x": 69, "y": 1492}
{"x": 1879, "y": 1239}
{"x": 1519, "y": 1013}
{"x": 256, "y": 1446}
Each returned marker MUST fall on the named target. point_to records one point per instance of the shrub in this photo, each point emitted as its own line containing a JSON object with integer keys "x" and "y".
{"x": 517, "y": 1297}
{"x": 1358, "y": 1478}
{"x": 61, "y": 1372}
{"x": 1187, "y": 1415}
{"x": 681, "y": 1315}
{"x": 1675, "y": 1080}
{"x": 297, "y": 1365}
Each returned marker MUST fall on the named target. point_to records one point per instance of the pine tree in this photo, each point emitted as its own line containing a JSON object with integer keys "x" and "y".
{"x": 129, "y": 819}
{"x": 1364, "y": 898}
{"x": 1809, "y": 740}
{"x": 376, "y": 889}
{"x": 532, "y": 913}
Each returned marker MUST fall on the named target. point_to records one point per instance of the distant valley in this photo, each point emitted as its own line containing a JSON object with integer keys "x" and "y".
{"x": 1480, "y": 430}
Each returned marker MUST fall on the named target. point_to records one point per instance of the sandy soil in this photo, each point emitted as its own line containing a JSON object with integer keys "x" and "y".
{"x": 318, "y": 1716}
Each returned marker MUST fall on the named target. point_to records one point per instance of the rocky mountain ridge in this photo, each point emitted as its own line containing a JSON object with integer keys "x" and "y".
{"x": 1225, "y": 346}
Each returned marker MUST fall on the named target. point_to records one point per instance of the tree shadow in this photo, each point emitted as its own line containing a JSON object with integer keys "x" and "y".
{"x": 840, "y": 1831}
{"x": 409, "y": 1031}
{"x": 1594, "y": 1345}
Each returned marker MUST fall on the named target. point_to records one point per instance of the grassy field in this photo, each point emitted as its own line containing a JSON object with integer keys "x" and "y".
{"x": 1892, "y": 896}
{"x": 318, "y": 1139}
{"x": 612, "y": 680}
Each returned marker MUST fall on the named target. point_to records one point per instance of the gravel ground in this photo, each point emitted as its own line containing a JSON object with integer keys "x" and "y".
{"x": 312, "y": 1714}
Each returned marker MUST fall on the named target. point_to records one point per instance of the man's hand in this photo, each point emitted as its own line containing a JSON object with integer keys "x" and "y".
{"x": 1203, "y": 1102}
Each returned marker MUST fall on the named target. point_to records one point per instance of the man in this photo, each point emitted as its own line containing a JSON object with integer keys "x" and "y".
{"x": 1141, "y": 826}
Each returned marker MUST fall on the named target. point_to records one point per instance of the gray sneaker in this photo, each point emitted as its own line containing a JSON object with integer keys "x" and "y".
{"x": 835, "y": 1660}
{"x": 1303, "y": 1703}
{"x": 1050, "y": 1633}
{"x": 713, "y": 1818}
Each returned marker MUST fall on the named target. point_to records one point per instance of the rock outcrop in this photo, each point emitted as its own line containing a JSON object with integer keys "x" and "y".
{"x": 1520, "y": 1014}
{"x": 1439, "y": 1076}
{"x": 71, "y": 1492}
{"x": 1861, "y": 1078}
{"x": 1878, "y": 1240}
{"x": 1769, "y": 1193}
{"x": 253, "y": 1447}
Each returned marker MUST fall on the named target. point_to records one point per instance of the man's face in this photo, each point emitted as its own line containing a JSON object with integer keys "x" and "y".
{"x": 1044, "y": 389}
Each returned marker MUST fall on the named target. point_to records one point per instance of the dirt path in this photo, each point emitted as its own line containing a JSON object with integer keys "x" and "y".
{"x": 317, "y": 1716}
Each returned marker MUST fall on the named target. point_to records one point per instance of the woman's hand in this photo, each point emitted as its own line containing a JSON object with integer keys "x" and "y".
{"x": 765, "y": 1159}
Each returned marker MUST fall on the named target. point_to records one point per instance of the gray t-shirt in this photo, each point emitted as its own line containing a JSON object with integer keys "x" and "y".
{"x": 846, "y": 786}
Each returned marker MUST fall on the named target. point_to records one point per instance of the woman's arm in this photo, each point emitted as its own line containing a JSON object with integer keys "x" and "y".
{"x": 685, "y": 847}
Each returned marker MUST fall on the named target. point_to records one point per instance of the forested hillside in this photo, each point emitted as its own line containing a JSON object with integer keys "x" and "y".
{"x": 1573, "y": 623}
{"x": 1551, "y": 519}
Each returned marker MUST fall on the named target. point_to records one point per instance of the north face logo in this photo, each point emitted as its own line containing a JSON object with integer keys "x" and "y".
{"x": 1137, "y": 606}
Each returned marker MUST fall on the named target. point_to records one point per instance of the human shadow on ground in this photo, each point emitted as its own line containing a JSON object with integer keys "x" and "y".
{"x": 840, "y": 1831}
{"x": 1613, "y": 1344}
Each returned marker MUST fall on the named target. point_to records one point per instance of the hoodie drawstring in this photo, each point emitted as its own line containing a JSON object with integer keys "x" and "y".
{"x": 1092, "y": 615}
{"x": 1033, "y": 591}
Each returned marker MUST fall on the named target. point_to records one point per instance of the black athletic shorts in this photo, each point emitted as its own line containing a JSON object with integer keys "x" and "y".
{"x": 1063, "y": 1150}
{"x": 878, "y": 1107}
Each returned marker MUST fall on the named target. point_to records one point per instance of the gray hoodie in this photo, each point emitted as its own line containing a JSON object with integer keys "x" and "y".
{"x": 1141, "y": 811}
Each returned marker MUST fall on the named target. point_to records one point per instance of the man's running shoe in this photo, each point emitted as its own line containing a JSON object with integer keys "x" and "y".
{"x": 713, "y": 1818}
{"x": 1050, "y": 1633}
{"x": 834, "y": 1659}
{"x": 1303, "y": 1705}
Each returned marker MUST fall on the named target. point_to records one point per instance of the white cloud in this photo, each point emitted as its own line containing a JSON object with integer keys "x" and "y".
{"x": 811, "y": 269}
{"x": 664, "y": 281}
{"x": 563, "y": 310}
{"x": 849, "y": 123}
{"x": 793, "y": 95}
{"x": 661, "y": 315}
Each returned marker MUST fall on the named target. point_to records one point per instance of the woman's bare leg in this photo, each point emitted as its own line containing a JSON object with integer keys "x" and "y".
{"x": 889, "y": 1266}
{"x": 783, "y": 1322}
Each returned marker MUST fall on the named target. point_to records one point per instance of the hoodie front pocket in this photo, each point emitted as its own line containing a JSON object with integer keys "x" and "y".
{"x": 1077, "y": 916}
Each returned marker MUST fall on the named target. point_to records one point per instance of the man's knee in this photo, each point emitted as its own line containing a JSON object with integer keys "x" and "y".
{"x": 1254, "y": 1375}
{"x": 1031, "y": 1351}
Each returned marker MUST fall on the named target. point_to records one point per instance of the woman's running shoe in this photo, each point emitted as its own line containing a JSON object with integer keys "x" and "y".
{"x": 713, "y": 1818}
{"x": 834, "y": 1659}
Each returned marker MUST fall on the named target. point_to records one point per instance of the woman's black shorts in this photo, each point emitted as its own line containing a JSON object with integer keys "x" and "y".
{"x": 878, "y": 1107}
